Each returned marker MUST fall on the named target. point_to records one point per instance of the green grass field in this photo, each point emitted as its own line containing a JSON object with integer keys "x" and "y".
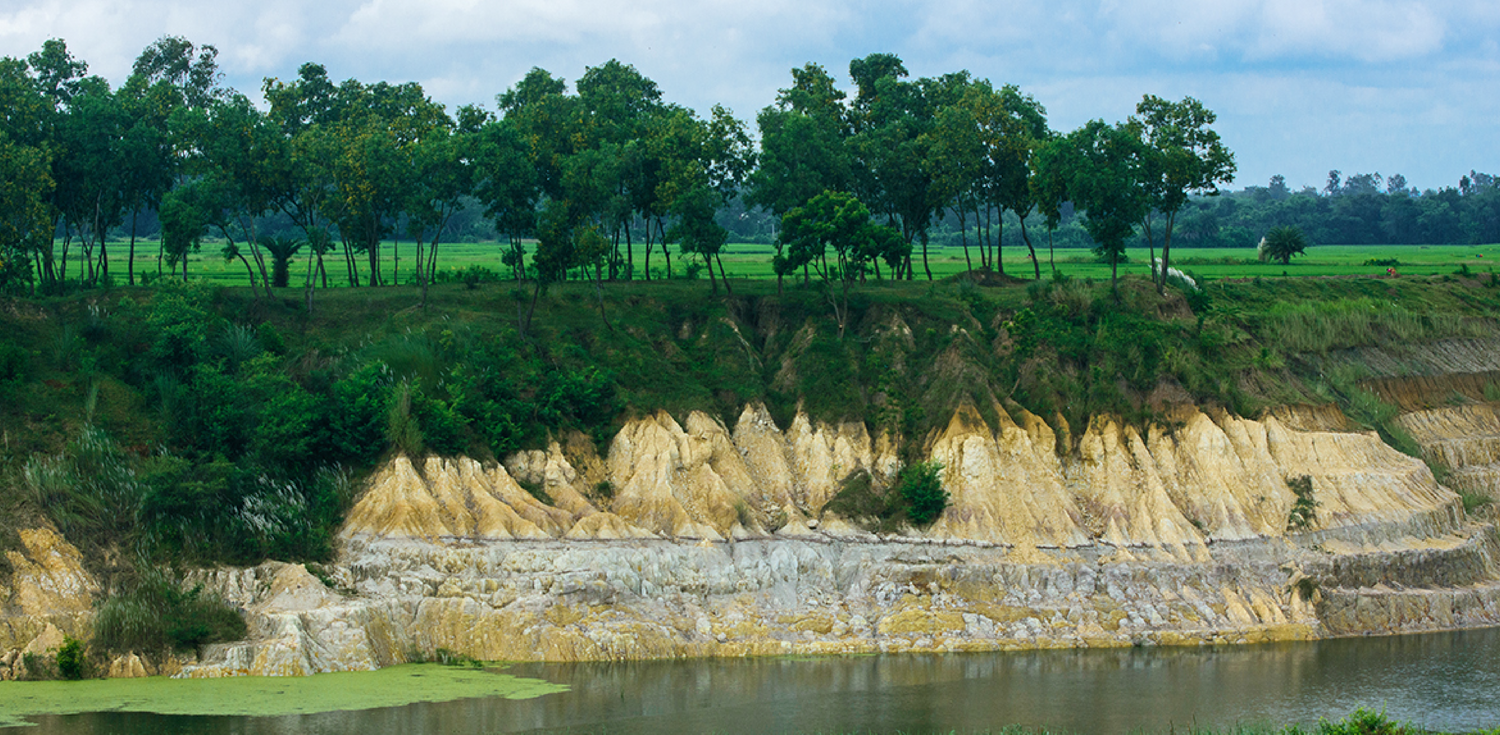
{"x": 752, "y": 260}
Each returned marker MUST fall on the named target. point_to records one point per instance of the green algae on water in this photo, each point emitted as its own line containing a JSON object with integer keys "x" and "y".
{"x": 260, "y": 696}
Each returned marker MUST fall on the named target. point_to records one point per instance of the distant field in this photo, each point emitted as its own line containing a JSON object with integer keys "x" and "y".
{"x": 752, "y": 260}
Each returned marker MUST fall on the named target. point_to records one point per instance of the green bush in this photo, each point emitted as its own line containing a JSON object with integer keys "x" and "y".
{"x": 917, "y": 496}
{"x": 584, "y": 398}
{"x": 13, "y": 362}
{"x": 1364, "y": 722}
{"x": 1304, "y": 513}
{"x": 70, "y": 659}
{"x": 359, "y": 407}
{"x": 154, "y": 614}
{"x": 921, "y": 489}
{"x": 179, "y": 322}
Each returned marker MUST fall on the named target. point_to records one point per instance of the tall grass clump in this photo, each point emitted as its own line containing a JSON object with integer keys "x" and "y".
{"x": 90, "y": 490}
{"x": 154, "y": 614}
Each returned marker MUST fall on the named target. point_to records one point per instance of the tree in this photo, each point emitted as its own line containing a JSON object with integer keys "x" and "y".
{"x": 839, "y": 222}
{"x": 241, "y": 152}
{"x": 1014, "y": 126}
{"x": 26, "y": 184}
{"x": 1049, "y": 186}
{"x": 183, "y": 223}
{"x": 696, "y": 229}
{"x": 147, "y": 157}
{"x": 506, "y": 184}
{"x": 441, "y": 177}
{"x": 87, "y": 170}
{"x": 1103, "y": 165}
{"x": 802, "y": 146}
{"x": 1281, "y": 243}
{"x": 192, "y": 70}
{"x": 889, "y": 118}
{"x": 955, "y": 160}
{"x": 1182, "y": 156}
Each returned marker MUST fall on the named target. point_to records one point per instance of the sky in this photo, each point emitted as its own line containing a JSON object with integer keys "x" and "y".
{"x": 1300, "y": 86}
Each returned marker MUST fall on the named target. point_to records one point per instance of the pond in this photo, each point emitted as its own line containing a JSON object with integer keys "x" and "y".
{"x": 1448, "y": 681}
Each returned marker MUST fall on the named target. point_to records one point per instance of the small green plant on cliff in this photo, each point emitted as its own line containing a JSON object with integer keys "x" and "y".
{"x": 921, "y": 489}
{"x": 536, "y": 490}
{"x": 916, "y": 496}
{"x": 1304, "y": 509}
{"x": 1474, "y": 500}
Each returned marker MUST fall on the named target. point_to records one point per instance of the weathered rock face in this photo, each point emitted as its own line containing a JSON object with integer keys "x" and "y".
{"x": 48, "y": 595}
{"x": 689, "y": 539}
{"x": 1464, "y": 438}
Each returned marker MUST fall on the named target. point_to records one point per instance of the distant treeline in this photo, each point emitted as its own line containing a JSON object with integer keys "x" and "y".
{"x": 848, "y": 186}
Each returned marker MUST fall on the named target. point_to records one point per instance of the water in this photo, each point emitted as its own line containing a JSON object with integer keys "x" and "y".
{"x": 1447, "y": 681}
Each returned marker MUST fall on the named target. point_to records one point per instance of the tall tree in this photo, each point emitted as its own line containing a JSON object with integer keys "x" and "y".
{"x": 506, "y": 184}
{"x": 889, "y": 118}
{"x": 1183, "y": 156}
{"x": 955, "y": 160}
{"x": 26, "y": 185}
{"x": 191, "y": 69}
{"x": 1104, "y": 176}
{"x": 802, "y": 143}
{"x": 1049, "y": 186}
{"x": 1015, "y": 128}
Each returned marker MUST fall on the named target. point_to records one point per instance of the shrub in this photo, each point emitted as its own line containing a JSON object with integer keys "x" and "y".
{"x": 921, "y": 489}
{"x": 179, "y": 323}
{"x": 583, "y": 397}
{"x": 154, "y": 615}
{"x": 1304, "y": 511}
{"x": 1281, "y": 243}
{"x": 13, "y": 362}
{"x": 1364, "y": 722}
{"x": 402, "y": 430}
{"x": 360, "y": 406}
{"x": 70, "y": 659}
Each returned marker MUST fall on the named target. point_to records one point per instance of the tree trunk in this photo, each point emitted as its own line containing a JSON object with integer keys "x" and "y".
{"x": 629, "y": 252}
{"x": 251, "y": 272}
{"x": 1166, "y": 249}
{"x": 130, "y": 259}
{"x": 1000, "y": 242}
{"x": 1156, "y": 278}
{"x": 536, "y": 292}
{"x": 62, "y": 275}
{"x": 666, "y": 252}
{"x": 723, "y": 275}
{"x": 963, "y": 236}
{"x": 421, "y": 271}
{"x": 925, "y": 265}
{"x": 1036, "y": 266}
{"x": 1051, "y": 253}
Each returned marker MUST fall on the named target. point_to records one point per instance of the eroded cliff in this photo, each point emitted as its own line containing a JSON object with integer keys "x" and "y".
{"x": 693, "y": 538}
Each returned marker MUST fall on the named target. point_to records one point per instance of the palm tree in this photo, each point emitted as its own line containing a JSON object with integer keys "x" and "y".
{"x": 1281, "y": 243}
{"x": 282, "y": 249}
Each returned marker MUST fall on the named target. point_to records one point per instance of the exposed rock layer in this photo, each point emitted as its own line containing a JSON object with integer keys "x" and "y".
{"x": 691, "y": 539}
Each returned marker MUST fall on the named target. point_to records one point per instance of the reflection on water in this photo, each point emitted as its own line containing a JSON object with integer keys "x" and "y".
{"x": 1447, "y": 681}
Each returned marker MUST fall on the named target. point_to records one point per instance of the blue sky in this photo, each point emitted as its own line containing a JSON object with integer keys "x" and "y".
{"x": 1300, "y": 86}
